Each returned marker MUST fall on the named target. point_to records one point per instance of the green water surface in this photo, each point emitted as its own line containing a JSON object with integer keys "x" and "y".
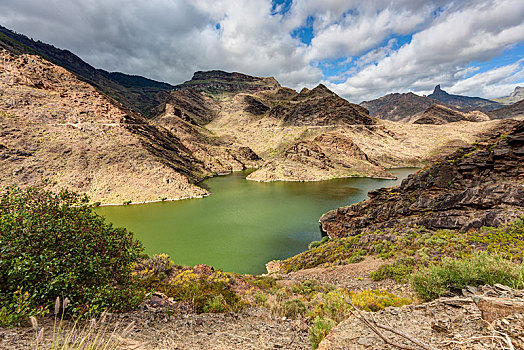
{"x": 243, "y": 224}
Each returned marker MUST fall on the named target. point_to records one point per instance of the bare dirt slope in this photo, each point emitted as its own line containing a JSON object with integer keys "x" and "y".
{"x": 55, "y": 127}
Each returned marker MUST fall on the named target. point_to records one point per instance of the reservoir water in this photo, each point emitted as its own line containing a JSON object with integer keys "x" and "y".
{"x": 243, "y": 224}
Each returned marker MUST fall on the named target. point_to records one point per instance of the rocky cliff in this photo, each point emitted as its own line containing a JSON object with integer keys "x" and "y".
{"x": 218, "y": 82}
{"x": 477, "y": 186}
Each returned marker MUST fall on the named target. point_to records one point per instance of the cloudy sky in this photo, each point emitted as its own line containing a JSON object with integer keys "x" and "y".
{"x": 362, "y": 49}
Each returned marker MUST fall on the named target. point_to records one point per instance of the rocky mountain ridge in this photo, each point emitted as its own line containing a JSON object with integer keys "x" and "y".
{"x": 134, "y": 92}
{"x": 464, "y": 103}
{"x": 482, "y": 185}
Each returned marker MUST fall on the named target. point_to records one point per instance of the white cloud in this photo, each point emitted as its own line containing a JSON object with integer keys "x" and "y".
{"x": 441, "y": 52}
{"x": 168, "y": 40}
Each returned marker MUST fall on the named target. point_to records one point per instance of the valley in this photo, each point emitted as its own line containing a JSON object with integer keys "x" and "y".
{"x": 261, "y": 216}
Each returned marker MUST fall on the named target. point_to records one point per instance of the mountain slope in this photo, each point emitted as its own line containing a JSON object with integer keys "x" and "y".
{"x": 398, "y": 107}
{"x": 439, "y": 114}
{"x": 516, "y": 96}
{"x": 218, "y": 82}
{"x": 511, "y": 111}
{"x": 464, "y": 103}
{"x": 56, "y": 127}
{"x": 476, "y": 186}
{"x": 136, "y": 93}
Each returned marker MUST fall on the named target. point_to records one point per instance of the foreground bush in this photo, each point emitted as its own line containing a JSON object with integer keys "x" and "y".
{"x": 454, "y": 274}
{"x": 55, "y": 245}
{"x": 205, "y": 289}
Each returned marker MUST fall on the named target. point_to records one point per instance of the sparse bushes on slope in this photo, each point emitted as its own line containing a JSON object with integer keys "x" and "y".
{"x": 454, "y": 274}
{"x": 55, "y": 245}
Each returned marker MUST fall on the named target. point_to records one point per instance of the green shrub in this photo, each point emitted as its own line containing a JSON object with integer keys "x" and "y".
{"x": 16, "y": 311}
{"x": 398, "y": 271}
{"x": 211, "y": 292}
{"x": 293, "y": 308}
{"x": 56, "y": 245}
{"x": 455, "y": 274}
{"x": 319, "y": 329}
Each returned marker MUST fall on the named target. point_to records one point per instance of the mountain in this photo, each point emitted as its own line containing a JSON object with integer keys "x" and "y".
{"x": 516, "y": 96}
{"x": 464, "y": 103}
{"x": 514, "y": 110}
{"x": 476, "y": 186}
{"x": 439, "y": 114}
{"x": 213, "y": 124}
{"x": 217, "y": 82}
{"x": 133, "y": 92}
{"x": 399, "y": 107}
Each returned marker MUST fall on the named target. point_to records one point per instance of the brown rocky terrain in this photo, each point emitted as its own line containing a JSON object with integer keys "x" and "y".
{"x": 399, "y": 107}
{"x": 473, "y": 321}
{"x": 476, "y": 186}
{"x": 511, "y": 111}
{"x": 220, "y": 82}
{"x": 59, "y": 128}
{"x": 438, "y": 114}
{"x": 134, "y": 92}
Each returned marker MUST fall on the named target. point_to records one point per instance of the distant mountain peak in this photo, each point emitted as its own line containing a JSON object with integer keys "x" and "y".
{"x": 463, "y": 103}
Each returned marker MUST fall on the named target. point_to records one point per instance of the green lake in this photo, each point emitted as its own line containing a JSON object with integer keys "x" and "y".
{"x": 243, "y": 224}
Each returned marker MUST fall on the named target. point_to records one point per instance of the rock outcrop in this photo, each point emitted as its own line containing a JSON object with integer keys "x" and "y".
{"x": 476, "y": 186}
{"x": 516, "y": 96}
{"x": 218, "y": 82}
{"x": 470, "y": 321}
{"x": 320, "y": 107}
{"x": 329, "y": 155}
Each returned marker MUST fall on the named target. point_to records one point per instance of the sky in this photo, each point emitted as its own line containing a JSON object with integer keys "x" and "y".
{"x": 361, "y": 49}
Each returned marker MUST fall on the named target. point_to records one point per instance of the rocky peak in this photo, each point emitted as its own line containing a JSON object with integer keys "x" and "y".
{"x": 519, "y": 90}
{"x": 217, "y": 82}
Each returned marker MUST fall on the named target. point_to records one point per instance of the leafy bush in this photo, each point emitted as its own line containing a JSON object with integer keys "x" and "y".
{"x": 398, "y": 271}
{"x": 319, "y": 329}
{"x": 18, "y": 309}
{"x": 56, "y": 245}
{"x": 206, "y": 291}
{"x": 376, "y": 300}
{"x": 455, "y": 274}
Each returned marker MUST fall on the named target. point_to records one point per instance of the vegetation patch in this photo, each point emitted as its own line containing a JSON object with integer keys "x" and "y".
{"x": 206, "y": 289}
{"x": 54, "y": 244}
{"x": 455, "y": 274}
{"x": 407, "y": 250}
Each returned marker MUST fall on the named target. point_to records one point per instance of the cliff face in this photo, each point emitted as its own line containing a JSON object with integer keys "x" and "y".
{"x": 477, "y": 186}
{"x": 219, "y": 82}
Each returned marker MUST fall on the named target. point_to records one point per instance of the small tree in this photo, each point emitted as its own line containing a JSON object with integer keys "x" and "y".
{"x": 54, "y": 244}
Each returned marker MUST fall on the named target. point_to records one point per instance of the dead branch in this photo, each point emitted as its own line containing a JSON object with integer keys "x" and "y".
{"x": 375, "y": 325}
